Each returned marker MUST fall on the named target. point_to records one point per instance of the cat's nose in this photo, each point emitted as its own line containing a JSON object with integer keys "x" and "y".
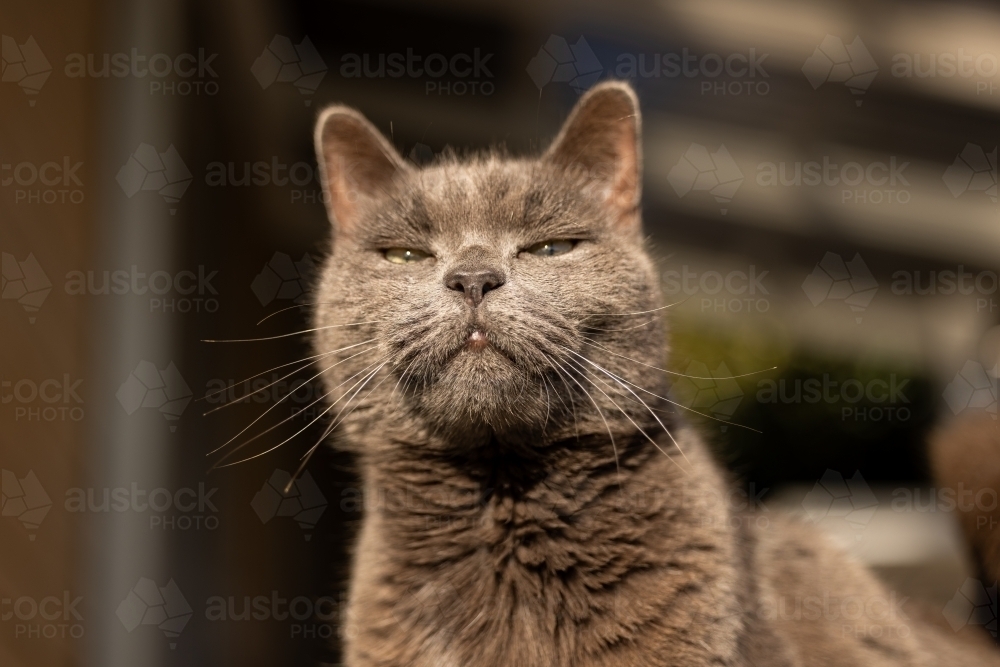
{"x": 475, "y": 283}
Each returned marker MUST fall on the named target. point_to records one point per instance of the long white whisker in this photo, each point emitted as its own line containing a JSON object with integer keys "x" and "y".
{"x": 257, "y": 391}
{"x": 300, "y": 305}
{"x": 637, "y": 326}
{"x": 286, "y": 335}
{"x": 684, "y": 407}
{"x": 627, "y": 416}
{"x": 614, "y": 448}
{"x": 640, "y": 312}
{"x": 624, "y": 386}
{"x": 336, "y": 422}
{"x": 294, "y": 435}
{"x": 664, "y": 370}
{"x": 290, "y": 363}
{"x": 285, "y": 397}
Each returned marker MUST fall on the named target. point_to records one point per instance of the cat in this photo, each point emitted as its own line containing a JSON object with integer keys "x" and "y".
{"x": 491, "y": 331}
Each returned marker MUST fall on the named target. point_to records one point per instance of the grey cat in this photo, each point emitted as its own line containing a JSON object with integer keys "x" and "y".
{"x": 491, "y": 331}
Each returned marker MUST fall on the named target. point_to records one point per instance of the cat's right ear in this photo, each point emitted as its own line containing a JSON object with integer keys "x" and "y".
{"x": 356, "y": 163}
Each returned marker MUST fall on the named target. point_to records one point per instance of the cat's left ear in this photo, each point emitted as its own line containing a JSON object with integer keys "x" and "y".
{"x": 356, "y": 162}
{"x": 602, "y": 137}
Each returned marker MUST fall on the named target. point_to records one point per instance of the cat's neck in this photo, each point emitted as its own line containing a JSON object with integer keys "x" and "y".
{"x": 454, "y": 549}
{"x": 433, "y": 505}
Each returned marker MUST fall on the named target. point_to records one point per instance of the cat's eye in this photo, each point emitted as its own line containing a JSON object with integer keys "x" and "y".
{"x": 551, "y": 248}
{"x": 405, "y": 255}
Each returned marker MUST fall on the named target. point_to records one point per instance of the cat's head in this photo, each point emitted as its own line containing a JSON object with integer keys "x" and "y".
{"x": 475, "y": 294}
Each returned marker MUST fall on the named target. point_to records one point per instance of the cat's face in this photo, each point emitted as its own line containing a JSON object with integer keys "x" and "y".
{"x": 484, "y": 285}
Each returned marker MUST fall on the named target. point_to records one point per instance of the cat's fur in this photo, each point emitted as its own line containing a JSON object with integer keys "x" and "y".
{"x": 526, "y": 505}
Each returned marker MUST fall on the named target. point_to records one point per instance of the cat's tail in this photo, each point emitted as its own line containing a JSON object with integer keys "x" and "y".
{"x": 965, "y": 457}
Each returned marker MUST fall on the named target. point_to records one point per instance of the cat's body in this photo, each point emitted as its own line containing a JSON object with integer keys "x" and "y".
{"x": 531, "y": 497}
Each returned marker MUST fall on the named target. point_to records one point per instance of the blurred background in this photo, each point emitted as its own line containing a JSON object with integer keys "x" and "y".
{"x": 820, "y": 196}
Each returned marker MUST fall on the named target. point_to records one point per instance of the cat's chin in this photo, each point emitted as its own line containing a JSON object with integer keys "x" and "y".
{"x": 481, "y": 388}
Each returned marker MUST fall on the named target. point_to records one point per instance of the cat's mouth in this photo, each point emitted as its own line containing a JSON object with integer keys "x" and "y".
{"x": 477, "y": 341}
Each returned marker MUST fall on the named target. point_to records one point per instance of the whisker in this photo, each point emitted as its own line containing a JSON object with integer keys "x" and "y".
{"x": 219, "y": 391}
{"x": 249, "y": 394}
{"x": 572, "y": 404}
{"x": 637, "y": 326}
{"x": 548, "y": 403}
{"x": 639, "y": 312}
{"x": 664, "y": 370}
{"x": 300, "y": 305}
{"x": 618, "y": 380}
{"x": 681, "y": 405}
{"x": 308, "y": 455}
{"x": 285, "y": 397}
{"x": 614, "y": 448}
{"x": 403, "y": 375}
{"x": 294, "y": 435}
{"x": 286, "y": 335}
{"x": 627, "y": 416}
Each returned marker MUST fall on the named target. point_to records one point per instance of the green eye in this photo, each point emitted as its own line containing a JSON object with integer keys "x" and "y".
{"x": 550, "y": 248}
{"x": 405, "y": 256}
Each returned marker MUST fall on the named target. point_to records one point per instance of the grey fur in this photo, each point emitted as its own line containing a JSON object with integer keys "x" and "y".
{"x": 525, "y": 505}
